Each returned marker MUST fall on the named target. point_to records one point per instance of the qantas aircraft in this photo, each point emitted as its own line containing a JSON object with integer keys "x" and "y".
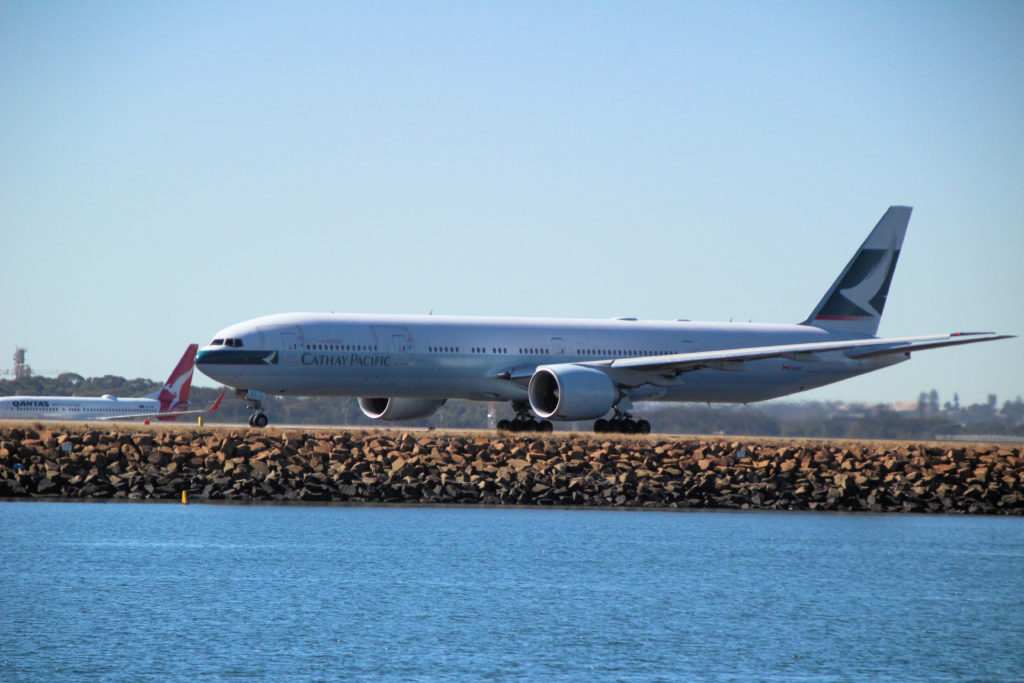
{"x": 169, "y": 403}
{"x": 406, "y": 367}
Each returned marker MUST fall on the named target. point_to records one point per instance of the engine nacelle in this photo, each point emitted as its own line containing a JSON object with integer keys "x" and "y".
{"x": 571, "y": 392}
{"x": 394, "y": 409}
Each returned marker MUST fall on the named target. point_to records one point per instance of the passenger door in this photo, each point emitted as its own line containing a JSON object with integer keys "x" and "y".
{"x": 394, "y": 341}
{"x": 290, "y": 346}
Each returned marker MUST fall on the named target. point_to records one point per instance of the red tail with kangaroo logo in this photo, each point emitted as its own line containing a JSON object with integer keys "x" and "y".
{"x": 173, "y": 396}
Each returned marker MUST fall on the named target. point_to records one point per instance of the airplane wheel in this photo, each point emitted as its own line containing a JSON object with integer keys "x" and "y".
{"x": 251, "y": 418}
{"x": 643, "y": 427}
{"x": 601, "y": 426}
{"x": 531, "y": 426}
{"x": 259, "y": 420}
{"x": 504, "y": 426}
{"x": 614, "y": 425}
{"x": 627, "y": 426}
{"x": 546, "y": 426}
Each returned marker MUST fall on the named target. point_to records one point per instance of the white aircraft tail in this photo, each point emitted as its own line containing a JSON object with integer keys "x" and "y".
{"x": 855, "y": 301}
{"x": 173, "y": 395}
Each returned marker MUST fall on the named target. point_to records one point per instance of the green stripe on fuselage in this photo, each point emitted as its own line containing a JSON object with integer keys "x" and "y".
{"x": 236, "y": 357}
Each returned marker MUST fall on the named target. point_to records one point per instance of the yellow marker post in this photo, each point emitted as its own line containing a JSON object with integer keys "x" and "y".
{"x": 200, "y": 420}
{"x": 184, "y": 497}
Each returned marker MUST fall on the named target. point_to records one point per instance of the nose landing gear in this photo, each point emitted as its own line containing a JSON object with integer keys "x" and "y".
{"x": 254, "y": 401}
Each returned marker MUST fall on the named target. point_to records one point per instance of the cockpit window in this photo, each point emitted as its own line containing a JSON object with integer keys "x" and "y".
{"x": 234, "y": 343}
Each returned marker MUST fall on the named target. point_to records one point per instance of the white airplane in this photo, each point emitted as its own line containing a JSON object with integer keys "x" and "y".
{"x": 406, "y": 367}
{"x": 169, "y": 403}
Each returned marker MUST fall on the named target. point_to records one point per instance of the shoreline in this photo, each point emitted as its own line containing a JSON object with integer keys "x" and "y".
{"x": 123, "y": 461}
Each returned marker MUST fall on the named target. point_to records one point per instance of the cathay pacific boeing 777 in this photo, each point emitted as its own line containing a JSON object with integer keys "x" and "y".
{"x": 406, "y": 367}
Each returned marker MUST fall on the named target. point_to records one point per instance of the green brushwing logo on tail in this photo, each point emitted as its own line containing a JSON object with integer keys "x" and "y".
{"x": 864, "y": 288}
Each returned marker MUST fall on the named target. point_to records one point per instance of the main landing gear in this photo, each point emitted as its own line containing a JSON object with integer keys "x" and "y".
{"x": 258, "y": 419}
{"x": 622, "y": 423}
{"x": 524, "y": 421}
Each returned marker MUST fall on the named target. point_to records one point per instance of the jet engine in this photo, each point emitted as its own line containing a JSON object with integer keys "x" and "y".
{"x": 571, "y": 392}
{"x": 394, "y": 409}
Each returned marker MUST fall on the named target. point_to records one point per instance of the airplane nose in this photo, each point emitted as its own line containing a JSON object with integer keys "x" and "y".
{"x": 216, "y": 356}
{"x": 211, "y": 362}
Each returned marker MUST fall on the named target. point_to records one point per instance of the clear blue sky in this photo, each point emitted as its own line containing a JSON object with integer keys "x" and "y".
{"x": 171, "y": 168}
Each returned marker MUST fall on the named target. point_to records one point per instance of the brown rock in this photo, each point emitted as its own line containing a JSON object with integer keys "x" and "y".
{"x": 159, "y": 458}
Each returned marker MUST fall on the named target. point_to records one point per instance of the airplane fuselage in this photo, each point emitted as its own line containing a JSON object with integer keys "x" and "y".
{"x": 72, "y": 408}
{"x": 481, "y": 358}
{"x": 405, "y": 367}
{"x": 167, "y": 403}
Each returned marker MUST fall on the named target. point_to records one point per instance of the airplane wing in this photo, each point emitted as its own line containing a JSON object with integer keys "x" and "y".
{"x": 730, "y": 359}
{"x": 172, "y": 413}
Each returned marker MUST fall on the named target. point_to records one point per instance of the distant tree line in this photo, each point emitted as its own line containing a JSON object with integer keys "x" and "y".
{"x": 829, "y": 419}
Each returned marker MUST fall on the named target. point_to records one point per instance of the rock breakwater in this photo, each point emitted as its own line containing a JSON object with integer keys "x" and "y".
{"x": 74, "y": 462}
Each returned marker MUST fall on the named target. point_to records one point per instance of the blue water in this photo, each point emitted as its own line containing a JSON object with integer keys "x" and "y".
{"x": 200, "y": 592}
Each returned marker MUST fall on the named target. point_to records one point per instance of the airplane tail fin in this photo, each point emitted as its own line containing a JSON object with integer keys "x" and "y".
{"x": 855, "y": 301}
{"x": 174, "y": 393}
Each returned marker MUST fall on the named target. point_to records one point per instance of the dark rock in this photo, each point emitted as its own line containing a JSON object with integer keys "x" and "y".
{"x": 377, "y": 466}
